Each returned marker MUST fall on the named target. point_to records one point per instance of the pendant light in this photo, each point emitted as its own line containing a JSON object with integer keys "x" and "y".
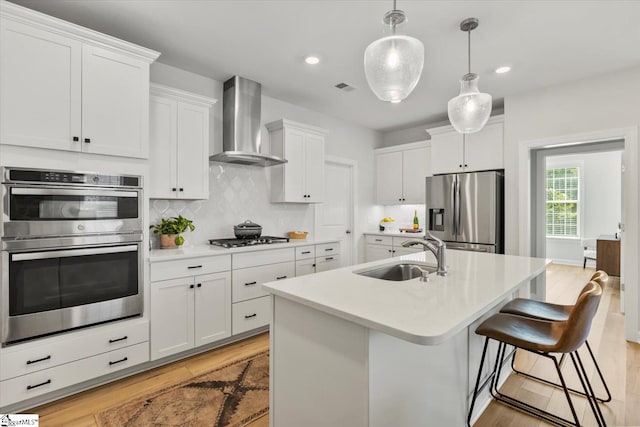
{"x": 393, "y": 64}
{"x": 470, "y": 110}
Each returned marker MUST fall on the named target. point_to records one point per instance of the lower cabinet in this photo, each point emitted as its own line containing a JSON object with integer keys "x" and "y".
{"x": 41, "y": 366}
{"x": 251, "y": 314}
{"x": 382, "y": 247}
{"x": 189, "y": 312}
{"x": 316, "y": 258}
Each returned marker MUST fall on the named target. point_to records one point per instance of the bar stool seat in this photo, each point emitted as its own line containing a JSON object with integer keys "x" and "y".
{"x": 557, "y": 313}
{"x": 544, "y": 338}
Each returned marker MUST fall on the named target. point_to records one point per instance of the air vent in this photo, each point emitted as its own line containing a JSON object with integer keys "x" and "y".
{"x": 345, "y": 87}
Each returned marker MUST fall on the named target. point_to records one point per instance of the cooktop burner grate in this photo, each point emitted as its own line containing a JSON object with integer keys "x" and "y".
{"x": 238, "y": 243}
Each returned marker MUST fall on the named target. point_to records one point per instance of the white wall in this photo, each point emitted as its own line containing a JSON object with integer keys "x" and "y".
{"x": 593, "y": 105}
{"x": 600, "y": 202}
{"x": 240, "y": 192}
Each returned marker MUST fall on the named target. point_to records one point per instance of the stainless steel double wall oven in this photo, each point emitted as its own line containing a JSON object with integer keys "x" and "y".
{"x": 71, "y": 251}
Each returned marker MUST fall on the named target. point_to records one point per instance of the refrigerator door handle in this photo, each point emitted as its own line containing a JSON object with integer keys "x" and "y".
{"x": 453, "y": 204}
{"x": 457, "y": 202}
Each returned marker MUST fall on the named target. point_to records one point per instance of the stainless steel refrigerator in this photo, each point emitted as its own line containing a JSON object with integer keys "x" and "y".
{"x": 466, "y": 210}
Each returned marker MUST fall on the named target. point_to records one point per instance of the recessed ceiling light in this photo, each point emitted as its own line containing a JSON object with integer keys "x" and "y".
{"x": 503, "y": 69}
{"x": 312, "y": 60}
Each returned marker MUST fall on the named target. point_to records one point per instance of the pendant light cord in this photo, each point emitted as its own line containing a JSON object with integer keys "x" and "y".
{"x": 393, "y": 22}
{"x": 468, "y": 50}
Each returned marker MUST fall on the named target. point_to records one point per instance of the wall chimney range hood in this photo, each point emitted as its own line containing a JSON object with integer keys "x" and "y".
{"x": 241, "y": 109}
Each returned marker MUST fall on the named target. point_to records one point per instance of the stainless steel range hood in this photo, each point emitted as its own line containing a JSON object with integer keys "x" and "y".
{"x": 241, "y": 125}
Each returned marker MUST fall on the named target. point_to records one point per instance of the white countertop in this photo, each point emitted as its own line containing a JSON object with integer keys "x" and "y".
{"x": 193, "y": 251}
{"x": 415, "y": 311}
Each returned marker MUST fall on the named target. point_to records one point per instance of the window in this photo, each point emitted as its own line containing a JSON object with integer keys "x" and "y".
{"x": 563, "y": 198}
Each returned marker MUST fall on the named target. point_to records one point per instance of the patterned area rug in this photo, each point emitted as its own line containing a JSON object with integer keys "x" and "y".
{"x": 232, "y": 395}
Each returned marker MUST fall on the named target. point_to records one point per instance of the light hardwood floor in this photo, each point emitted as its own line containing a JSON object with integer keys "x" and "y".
{"x": 619, "y": 360}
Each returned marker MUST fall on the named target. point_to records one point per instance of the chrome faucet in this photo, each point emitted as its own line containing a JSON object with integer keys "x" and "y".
{"x": 438, "y": 248}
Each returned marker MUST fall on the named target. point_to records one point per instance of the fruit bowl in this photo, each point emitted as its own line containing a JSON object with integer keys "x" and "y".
{"x": 298, "y": 234}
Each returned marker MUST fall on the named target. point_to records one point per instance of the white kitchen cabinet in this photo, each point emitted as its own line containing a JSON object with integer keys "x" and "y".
{"x": 451, "y": 153}
{"x": 179, "y": 144}
{"x": 301, "y": 179}
{"x": 400, "y": 173}
{"x": 68, "y": 88}
{"x": 382, "y": 247}
{"x": 189, "y": 312}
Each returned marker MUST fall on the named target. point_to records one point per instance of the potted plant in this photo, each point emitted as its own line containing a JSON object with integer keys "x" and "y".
{"x": 170, "y": 230}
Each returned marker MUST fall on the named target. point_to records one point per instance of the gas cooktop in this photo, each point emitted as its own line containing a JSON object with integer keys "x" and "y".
{"x": 239, "y": 243}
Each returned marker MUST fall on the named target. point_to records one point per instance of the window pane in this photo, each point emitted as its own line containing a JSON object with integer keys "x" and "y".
{"x": 562, "y": 195}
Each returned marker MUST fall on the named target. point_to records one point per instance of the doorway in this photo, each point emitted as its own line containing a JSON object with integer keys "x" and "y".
{"x": 335, "y": 217}
{"x": 532, "y": 234}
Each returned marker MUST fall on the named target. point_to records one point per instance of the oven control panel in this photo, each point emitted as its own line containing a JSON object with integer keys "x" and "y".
{"x": 36, "y": 176}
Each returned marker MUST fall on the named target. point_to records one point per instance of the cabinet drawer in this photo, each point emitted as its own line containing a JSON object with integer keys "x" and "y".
{"x": 328, "y": 262}
{"x": 327, "y": 249}
{"x": 47, "y": 353}
{"x": 305, "y": 266}
{"x": 166, "y": 270}
{"x": 265, "y": 257}
{"x": 305, "y": 252}
{"x": 379, "y": 240}
{"x": 247, "y": 282}
{"x": 47, "y": 380}
{"x": 251, "y": 314}
{"x": 398, "y": 241}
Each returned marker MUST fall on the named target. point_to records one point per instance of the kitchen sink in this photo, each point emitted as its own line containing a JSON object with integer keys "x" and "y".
{"x": 398, "y": 272}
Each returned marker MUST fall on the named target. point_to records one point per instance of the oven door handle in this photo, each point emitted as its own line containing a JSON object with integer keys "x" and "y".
{"x": 68, "y": 192}
{"x": 73, "y": 252}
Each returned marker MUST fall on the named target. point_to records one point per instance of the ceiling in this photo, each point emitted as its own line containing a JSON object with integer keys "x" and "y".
{"x": 545, "y": 42}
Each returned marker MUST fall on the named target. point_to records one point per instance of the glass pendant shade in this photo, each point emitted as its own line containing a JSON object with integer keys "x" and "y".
{"x": 393, "y": 66}
{"x": 470, "y": 110}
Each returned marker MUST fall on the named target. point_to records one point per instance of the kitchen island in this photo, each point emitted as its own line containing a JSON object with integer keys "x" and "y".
{"x": 351, "y": 350}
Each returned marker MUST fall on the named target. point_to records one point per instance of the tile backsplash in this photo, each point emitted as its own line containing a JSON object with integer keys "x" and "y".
{"x": 236, "y": 193}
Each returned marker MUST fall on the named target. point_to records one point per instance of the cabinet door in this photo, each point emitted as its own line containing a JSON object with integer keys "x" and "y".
{"x": 294, "y": 169}
{"x": 193, "y": 151}
{"x": 305, "y": 266}
{"x": 484, "y": 150}
{"x": 172, "y": 316}
{"x": 414, "y": 171}
{"x": 446, "y": 153}
{"x": 325, "y": 263}
{"x": 378, "y": 252}
{"x": 314, "y": 168}
{"x": 115, "y": 103}
{"x": 212, "y": 308}
{"x": 389, "y": 178}
{"x": 162, "y": 148}
{"x": 40, "y": 83}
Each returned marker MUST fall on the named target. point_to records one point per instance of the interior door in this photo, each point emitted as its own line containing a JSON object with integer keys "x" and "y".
{"x": 335, "y": 216}
{"x": 477, "y": 195}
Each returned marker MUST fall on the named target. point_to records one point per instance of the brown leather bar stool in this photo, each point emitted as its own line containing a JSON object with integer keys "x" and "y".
{"x": 545, "y": 339}
{"x": 557, "y": 313}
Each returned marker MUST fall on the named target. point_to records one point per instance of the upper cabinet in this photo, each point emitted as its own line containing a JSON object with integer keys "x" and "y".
{"x": 179, "y": 140}
{"x": 301, "y": 179}
{"x": 451, "y": 153}
{"x": 65, "y": 87}
{"x": 400, "y": 173}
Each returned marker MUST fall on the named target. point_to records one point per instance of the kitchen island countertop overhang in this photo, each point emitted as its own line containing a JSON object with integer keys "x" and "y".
{"x": 424, "y": 313}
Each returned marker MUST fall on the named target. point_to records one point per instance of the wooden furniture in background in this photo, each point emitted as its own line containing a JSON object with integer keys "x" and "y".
{"x": 608, "y": 255}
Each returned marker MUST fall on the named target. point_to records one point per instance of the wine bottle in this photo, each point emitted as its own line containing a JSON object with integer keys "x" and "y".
{"x": 416, "y": 225}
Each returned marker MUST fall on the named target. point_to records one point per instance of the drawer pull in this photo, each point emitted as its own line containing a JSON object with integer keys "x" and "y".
{"x": 30, "y": 362}
{"x": 281, "y": 277}
{"x": 306, "y": 252}
{"x": 124, "y": 359}
{"x": 329, "y": 258}
{"x": 250, "y": 283}
{"x": 191, "y": 267}
{"x": 31, "y": 387}
{"x": 118, "y": 339}
{"x": 251, "y": 315}
{"x": 378, "y": 240}
{"x": 328, "y": 249}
